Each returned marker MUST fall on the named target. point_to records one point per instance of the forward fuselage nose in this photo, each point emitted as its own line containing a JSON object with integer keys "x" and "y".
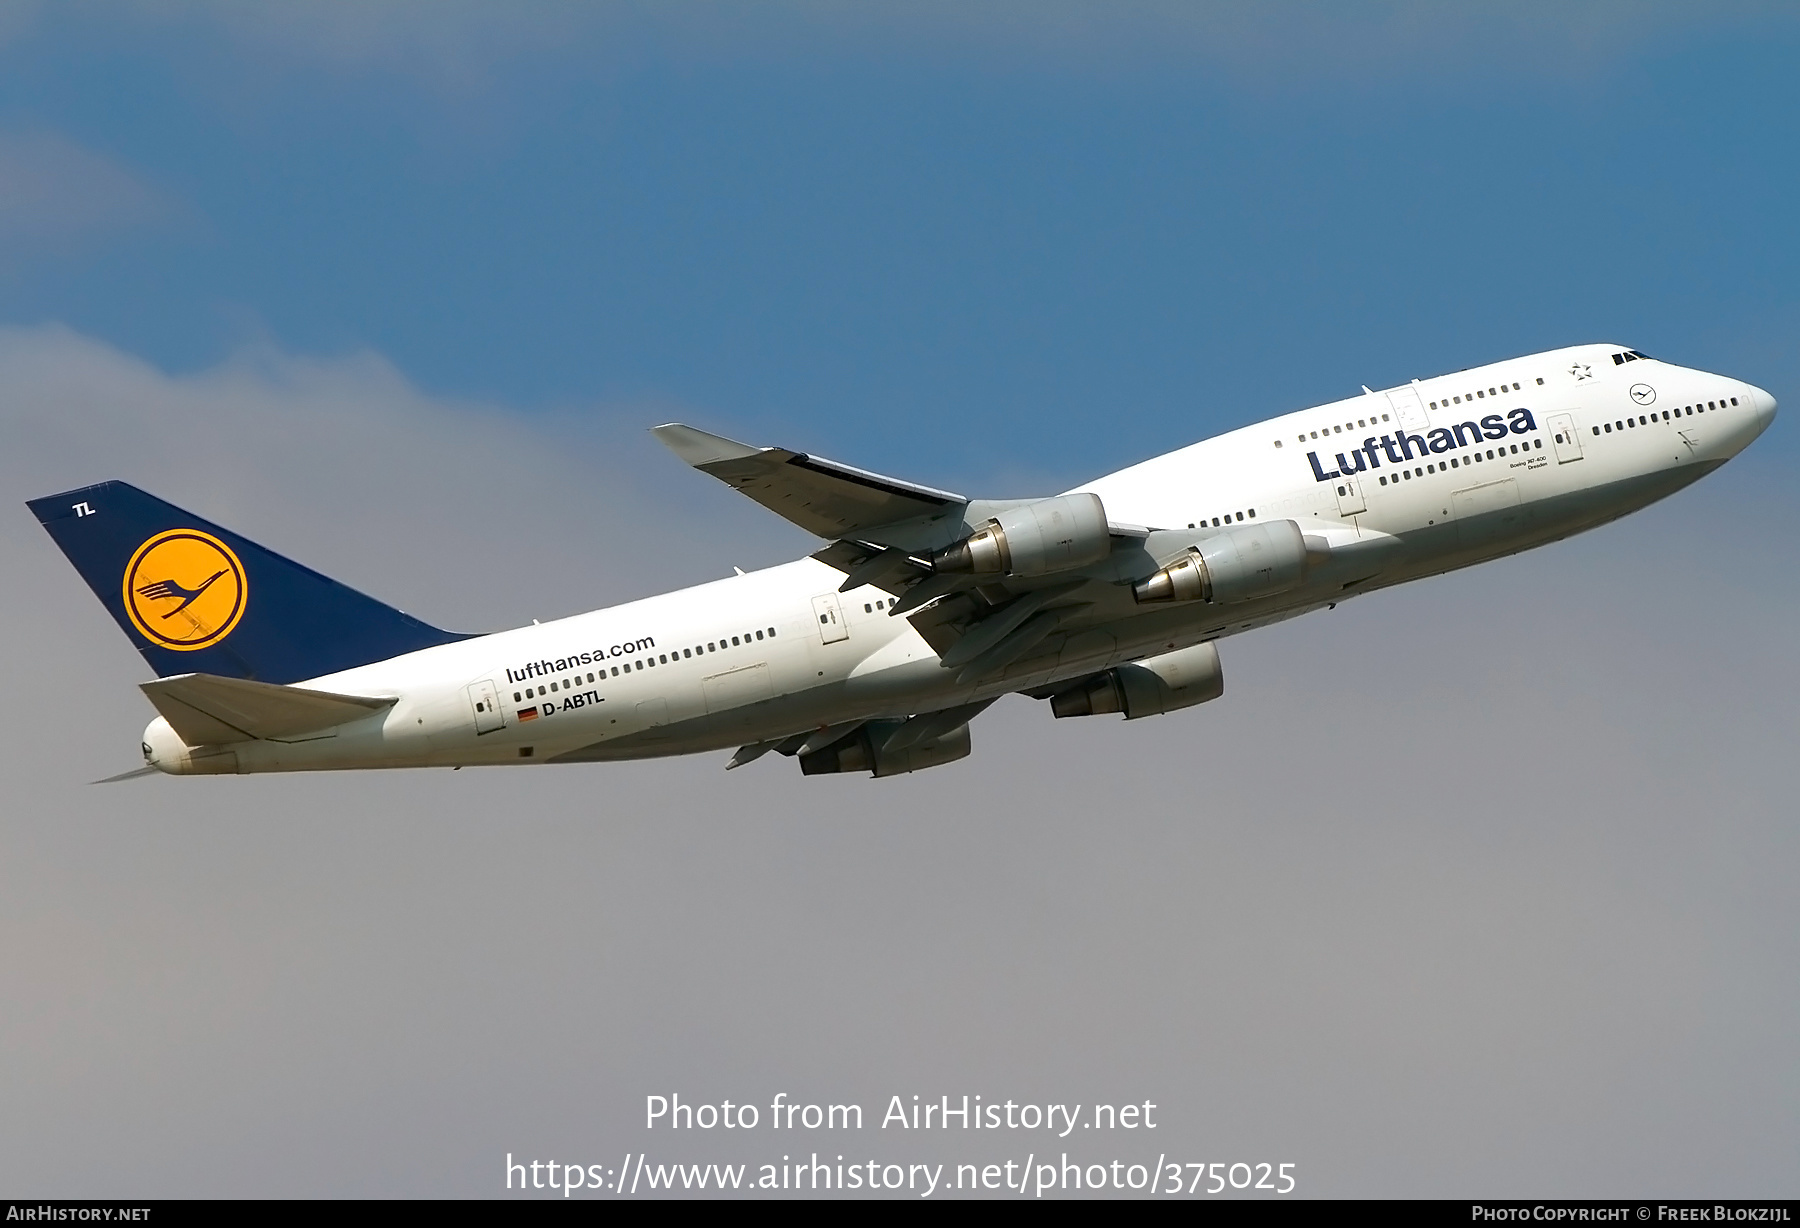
{"x": 1764, "y": 405}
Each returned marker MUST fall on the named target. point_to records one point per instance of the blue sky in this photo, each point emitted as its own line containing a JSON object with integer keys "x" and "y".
{"x": 944, "y": 250}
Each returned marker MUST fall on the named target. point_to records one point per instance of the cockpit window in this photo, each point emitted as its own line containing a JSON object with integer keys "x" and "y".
{"x": 1620, "y": 359}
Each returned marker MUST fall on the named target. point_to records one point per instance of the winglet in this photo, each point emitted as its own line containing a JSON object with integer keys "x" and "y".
{"x": 698, "y": 448}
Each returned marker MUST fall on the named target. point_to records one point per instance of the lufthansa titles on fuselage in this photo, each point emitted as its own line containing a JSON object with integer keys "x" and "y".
{"x": 1399, "y": 447}
{"x": 546, "y": 667}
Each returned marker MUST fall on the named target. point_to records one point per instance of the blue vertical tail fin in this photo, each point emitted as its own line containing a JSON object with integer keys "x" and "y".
{"x": 197, "y": 598}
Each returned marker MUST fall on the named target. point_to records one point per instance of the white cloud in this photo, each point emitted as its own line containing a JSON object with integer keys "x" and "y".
{"x": 1480, "y": 885}
{"x": 53, "y": 190}
{"x": 345, "y": 465}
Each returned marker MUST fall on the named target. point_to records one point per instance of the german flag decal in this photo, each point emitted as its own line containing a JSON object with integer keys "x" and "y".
{"x": 527, "y": 714}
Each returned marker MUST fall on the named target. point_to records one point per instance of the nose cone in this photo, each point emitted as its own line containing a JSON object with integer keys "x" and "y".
{"x": 1765, "y": 407}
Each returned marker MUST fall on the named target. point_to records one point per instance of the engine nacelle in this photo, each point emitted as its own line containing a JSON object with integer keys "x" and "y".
{"x": 1033, "y": 539}
{"x": 1252, "y": 560}
{"x": 1174, "y": 680}
{"x": 863, "y": 751}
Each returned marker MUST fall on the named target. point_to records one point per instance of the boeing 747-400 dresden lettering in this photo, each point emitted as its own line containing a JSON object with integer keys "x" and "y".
{"x": 875, "y": 653}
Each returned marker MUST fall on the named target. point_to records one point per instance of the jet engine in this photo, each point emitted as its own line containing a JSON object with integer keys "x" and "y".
{"x": 1253, "y": 560}
{"x": 1033, "y": 539}
{"x": 1178, "y": 679}
{"x": 865, "y": 751}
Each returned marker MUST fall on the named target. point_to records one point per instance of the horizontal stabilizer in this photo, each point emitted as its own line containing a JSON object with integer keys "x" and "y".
{"x": 823, "y": 497}
{"x": 205, "y": 709}
{"x": 133, "y": 774}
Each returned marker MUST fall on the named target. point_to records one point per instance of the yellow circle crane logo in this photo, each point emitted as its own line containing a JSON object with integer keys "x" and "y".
{"x": 185, "y": 589}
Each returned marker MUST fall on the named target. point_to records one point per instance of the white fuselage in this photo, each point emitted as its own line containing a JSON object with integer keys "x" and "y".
{"x": 778, "y": 652}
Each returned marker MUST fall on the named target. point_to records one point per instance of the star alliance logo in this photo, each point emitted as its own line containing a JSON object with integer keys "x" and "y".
{"x": 1581, "y": 371}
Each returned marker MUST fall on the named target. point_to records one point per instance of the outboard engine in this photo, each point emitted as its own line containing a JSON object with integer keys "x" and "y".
{"x": 1033, "y": 539}
{"x": 1150, "y": 687}
{"x": 865, "y": 751}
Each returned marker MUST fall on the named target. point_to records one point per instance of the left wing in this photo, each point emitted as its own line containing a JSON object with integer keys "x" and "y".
{"x": 887, "y": 533}
{"x": 823, "y": 497}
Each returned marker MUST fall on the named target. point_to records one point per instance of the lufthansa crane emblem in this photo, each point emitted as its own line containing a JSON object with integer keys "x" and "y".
{"x": 184, "y": 589}
{"x": 1643, "y": 394}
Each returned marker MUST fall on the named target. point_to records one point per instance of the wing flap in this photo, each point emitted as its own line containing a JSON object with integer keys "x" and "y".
{"x": 825, "y": 498}
{"x": 206, "y": 709}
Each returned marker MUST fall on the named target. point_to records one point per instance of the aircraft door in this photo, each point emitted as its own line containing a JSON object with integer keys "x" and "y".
{"x": 1409, "y": 410}
{"x": 1562, "y": 434}
{"x": 1349, "y": 494}
{"x": 831, "y": 621}
{"x": 484, "y": 703}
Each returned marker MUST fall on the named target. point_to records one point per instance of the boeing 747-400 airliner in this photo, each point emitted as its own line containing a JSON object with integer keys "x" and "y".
{"x": 924, "y": 607}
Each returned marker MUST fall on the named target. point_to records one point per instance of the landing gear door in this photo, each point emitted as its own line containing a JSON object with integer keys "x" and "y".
{"x": 831, "y": 620}
{"x": 484, "y": 703}
{"x": 1562, "y": 434}
{"x": 1349, "y": 494}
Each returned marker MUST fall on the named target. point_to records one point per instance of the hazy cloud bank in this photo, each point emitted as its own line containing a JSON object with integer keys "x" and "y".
{"x": 53, "y": 190}
{"x": 1484, "y": 885}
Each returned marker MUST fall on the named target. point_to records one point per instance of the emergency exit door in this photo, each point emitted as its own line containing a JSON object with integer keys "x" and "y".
{"x": 484, "y": 703}
{"x": 830, "y": 619}
{"x": 1563, "y": 436}
{"x": 1409, "y": 409}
